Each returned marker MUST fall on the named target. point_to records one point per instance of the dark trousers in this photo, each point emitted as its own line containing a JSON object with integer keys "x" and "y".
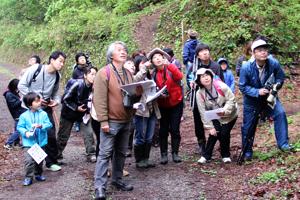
{"x": 51, "y": 147}
{"x": 64, "y": 132}
{"x": 223, "y": 135}
{"x": 96, "y": 129}
{"x": 170, "y": 121}
{"x": 199, "y": 129}
{"x": 31, "y": 167}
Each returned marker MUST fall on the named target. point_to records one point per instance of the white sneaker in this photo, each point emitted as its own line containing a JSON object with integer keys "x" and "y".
{"x": 202, "y": 160}
{"x": 226, "y": 160}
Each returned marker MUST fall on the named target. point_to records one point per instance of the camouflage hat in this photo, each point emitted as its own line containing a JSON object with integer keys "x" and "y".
{"x": 192, "y": 33}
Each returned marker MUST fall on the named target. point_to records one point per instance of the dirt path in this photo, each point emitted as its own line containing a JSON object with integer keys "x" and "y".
{"x": 186, "y": 180}
{"x": 145, "y": 30}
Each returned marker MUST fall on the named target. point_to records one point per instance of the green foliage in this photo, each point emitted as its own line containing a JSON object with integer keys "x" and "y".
{"x": 263, "y": 156}
{"x": 227, "y": 25}
{"x": 269, "y": 177}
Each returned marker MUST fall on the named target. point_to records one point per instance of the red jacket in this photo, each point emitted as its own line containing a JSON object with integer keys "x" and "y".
{"x": 163, "y": 77}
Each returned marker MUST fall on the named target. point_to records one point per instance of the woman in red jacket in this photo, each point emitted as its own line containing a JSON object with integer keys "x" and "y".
{"x": 170, "y": 102}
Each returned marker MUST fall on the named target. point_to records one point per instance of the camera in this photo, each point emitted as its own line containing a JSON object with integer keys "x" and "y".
{"x": 165, "y": 93}
{"x": 88, "y": 61}
{"x": 47, "y": 100}
{"x": 127, "y": 100}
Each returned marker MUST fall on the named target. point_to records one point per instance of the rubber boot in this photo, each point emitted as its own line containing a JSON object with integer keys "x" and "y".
{"x": 163, "y": 151}
{"x": 139, "y": 152}
{"x": 148, "y": 162}
{"x": 175, "y": 142}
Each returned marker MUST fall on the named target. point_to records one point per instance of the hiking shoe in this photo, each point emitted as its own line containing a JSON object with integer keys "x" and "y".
{"x": 287, "y": 148}
{"x": 164, "y": 159}
{"x": 8, "y": 146}
{"x": 226, "y": 160}
{"x": 40, "y": 178}
{"x": 122, "y": 186}
{"x": 27, "y": 181}
{"x": 202, "y": 160}
{"x": 91, "y": 158}
{"x": 54, "y": 168}
{"x": 176, "y": 158}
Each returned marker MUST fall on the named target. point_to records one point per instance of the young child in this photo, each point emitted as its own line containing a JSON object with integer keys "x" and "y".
{"x": 14, "y": 105}
{"x": 33, "y": 125}
{"x": 228, "y": 75}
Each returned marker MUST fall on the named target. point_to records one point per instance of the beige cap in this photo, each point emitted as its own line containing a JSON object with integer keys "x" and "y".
{"x": 157, "y": 50}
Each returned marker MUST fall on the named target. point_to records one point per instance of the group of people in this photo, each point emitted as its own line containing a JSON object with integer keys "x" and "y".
{"x": 94, "y": 99}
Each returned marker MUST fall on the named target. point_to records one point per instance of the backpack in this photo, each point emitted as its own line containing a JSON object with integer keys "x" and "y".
{"x": 216, "y": 84}
{"x": 179, "y": 82}
{"x": 36, "y": 73}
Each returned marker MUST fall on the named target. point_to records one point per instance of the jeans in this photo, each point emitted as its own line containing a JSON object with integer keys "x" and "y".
{"x": 188, "y": 71}
{"x": 113, "y": 144}
{"x": 170, "y": 122}
{"x": 64, "y": 132}
{"x": 14, "y": 137}
{"x": 31, "y": 167}
{"x": 223, "y": 135}
{"x": 250, "y": 123}
{"x": 144, "y": 127}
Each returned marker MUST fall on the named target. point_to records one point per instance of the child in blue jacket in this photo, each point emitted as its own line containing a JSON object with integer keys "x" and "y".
{"x": 227, "y": 73}
{"x": 32, "y": 126}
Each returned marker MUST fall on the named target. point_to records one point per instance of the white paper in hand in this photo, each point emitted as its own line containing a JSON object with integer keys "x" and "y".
{"x": 37, "y": 153}
{"x": 212, "y": 114}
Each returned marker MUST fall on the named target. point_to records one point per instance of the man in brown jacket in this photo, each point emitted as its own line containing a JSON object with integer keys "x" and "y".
{"x": 114, "y": 118}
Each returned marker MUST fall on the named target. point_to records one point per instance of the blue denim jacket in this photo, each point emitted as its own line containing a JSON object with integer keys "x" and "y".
{"x": 250, "y": 83}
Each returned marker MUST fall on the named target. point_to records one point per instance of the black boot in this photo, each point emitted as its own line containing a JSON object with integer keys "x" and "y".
{"x": 139, "y": 152}
{"x": 148, "y": 162}
{"x": 163, "y": 151}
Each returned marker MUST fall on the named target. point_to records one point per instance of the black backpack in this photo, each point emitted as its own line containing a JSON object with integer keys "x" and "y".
{"x": 36, "y": 73}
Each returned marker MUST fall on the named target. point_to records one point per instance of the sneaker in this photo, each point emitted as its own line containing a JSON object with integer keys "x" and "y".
{"x": 226, "y": 160}
{"x": 40, "y": 178}
{"x": 8, "y": 146}
{"x": 91, "y": 158}
{"x": 54, "y": 168}
{"x": 202, "y": 160}
{"x": 27, "y": 181}
{"x": 287, "y": 148}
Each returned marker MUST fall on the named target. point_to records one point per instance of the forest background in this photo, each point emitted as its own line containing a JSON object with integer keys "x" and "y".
{"x": 41, "y": 26}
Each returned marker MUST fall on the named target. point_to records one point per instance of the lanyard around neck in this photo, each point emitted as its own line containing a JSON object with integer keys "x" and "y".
{"x": 118, "y": 75}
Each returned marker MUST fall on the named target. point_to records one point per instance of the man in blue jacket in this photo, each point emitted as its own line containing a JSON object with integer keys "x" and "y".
{"x": 253, "y": 77}
{"x": 188, "y": 54}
